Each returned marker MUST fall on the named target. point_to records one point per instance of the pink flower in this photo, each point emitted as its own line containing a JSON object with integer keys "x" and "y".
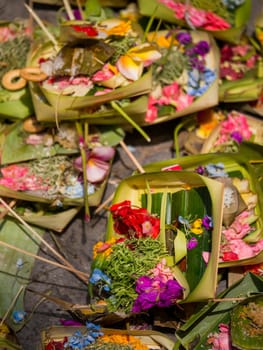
{"x": 104, "y": 74}
{"x": 152, "y": 111}
{"x": 183, "y": 101}
{"x": 214, "y": 22}
{"x": 178, "y": 8}
{"x": 234, "y": 122}
{"x": 102, "y": 92}
{"x": 162, "y": 272}
{"x": 171, "y": 90}
{"x": 18, "y": 178}
{"x": 171, "y": 4}
{"x": 81, "y": 80}
{"x": 251, "y": 61}
{"x": 14, "y": 171}
{"x": 240, "y": 50}
{"x": 98, "y": 164}
{"x": 221, "y": 340}
{"x": 206, "y": 256}
{"x": 197, "y": 17}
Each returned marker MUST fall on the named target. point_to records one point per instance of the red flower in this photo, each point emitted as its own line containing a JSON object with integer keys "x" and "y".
{"x": 56, "y": 345}
{"x": 229, "y": 256}
{"x": 87, "y": 29}
{"x": 134, "y": 222}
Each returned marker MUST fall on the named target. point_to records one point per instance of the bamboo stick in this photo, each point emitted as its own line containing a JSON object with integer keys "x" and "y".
{"x": 11, "y": 305}
{"x": 71, "y": 269}
{"x": 42, "y": 26}
{"x": 69, "y": 10}
{"x": 132, "y": 158}
{"x": 40, "y": 238}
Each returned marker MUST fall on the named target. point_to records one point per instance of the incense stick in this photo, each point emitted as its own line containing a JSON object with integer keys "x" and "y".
{"x": 38, "y": 236}
{"x": 42, "y": 26}
{"x": 11, "y": 305}
{"x": 104, "y": 204}
{"x": 132, "y": 158}
{"x": 68, "y": 10}
{"x": 82, "y": 275}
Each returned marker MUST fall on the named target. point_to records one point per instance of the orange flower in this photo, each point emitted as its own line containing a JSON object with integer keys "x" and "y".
{"x": 115, "y": 26}
{"x": 134, "y": 342}
{"x": 103, "y": 248}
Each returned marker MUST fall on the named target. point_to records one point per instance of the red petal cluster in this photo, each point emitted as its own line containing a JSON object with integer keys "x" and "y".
{"x": 134, "y": 222}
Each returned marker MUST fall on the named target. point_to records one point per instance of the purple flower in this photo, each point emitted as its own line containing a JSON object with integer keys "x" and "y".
{"x": 236, "y": 135}
{"x": 200, "y": 170}
{"x": 154, "y": 292}
{"x": 192, "y": 243}
{"x": 171, "y": 292}
{"x": 77, "y": 15}
{"x": 143, "y": 284}
{"x": 207, "y": 222}
{"x": 184, "y": 38}
{"x": 145, "y": 301}
{"x": 202, "y": 48}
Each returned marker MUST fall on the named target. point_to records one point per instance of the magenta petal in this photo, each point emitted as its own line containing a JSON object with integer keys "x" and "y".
{"x": 103, "y": 153}
{"x": 97, "y": 170}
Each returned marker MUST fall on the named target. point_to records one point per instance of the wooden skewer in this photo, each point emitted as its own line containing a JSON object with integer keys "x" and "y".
{"x": 40, "y": 238}
{"x": 104, "y": 204}
{"x": 3, "y": 214}
{"x": 42, "y": 26}
{"x": 227, "y": 299}
{"x": 69, "y": 10}
{"x": 80, "y": 9}
{"x": 132, "y": 158}
{"x": 83, "y": 275}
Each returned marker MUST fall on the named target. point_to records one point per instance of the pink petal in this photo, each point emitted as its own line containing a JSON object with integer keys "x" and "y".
{"x": 97, "y": 170}
{"x": 103, "y": 153}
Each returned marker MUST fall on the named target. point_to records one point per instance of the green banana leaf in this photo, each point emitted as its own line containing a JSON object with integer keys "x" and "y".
{"x": 110, "y": 3}
{"x": 241, "y": 16}
{"x": 194, "y": 333}
{"x": 93, "y": 199}
{"x": 244, "y": 163}
{"x": 18, "y": 105}
{"x": 246, "y": 331}
{"x": 242, "y": 90}
{"x": 46, "y": 218}
{"x": 13, "y": 275}
{"x": 147, "y": 337}
{"x": 64, "y": 105}
{"x": 165, "y": 184}
{"x": 15, "y": 150}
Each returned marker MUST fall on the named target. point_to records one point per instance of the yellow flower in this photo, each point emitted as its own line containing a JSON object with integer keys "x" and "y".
{"x": 196, "y": 227}
{"x": 207, "y": 120}
{"x": 115, "y": 26}
{"x": 103, "y": 248}
{"x": 162, "y": 40}
{"x": 131, "y": 65}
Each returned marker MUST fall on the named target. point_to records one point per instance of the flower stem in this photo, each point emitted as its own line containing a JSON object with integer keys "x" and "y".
{"x": 117, "y": 108}
{"x": 149, "y": 24}
{"x": 82, "y": 147}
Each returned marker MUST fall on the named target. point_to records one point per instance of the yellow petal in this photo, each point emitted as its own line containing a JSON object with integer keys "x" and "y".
{"x": 129, "y": 68}
{"x": 115, "y": 26}
{"x": 144, "y": 53}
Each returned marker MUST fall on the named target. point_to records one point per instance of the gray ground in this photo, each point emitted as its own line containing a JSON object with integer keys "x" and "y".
{"x": 78, "y": 239}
